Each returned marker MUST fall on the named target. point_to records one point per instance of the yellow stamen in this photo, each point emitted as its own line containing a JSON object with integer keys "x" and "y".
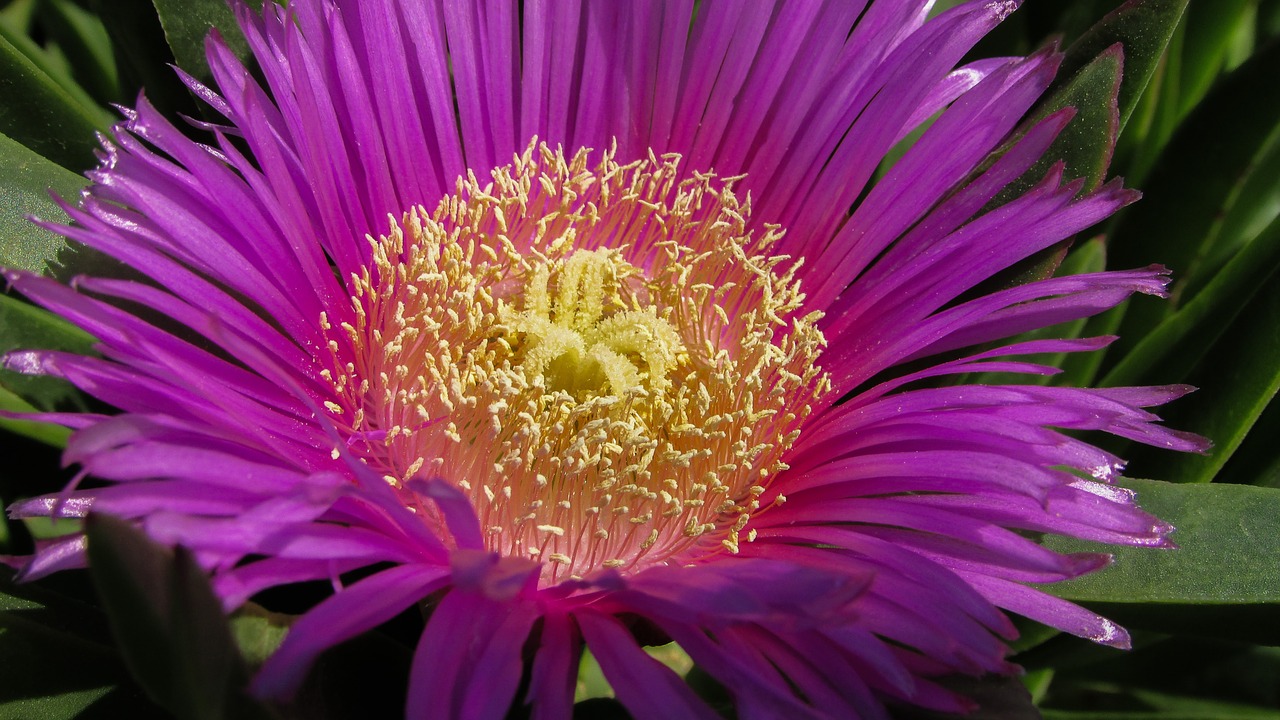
{"x": 603, "y": 358}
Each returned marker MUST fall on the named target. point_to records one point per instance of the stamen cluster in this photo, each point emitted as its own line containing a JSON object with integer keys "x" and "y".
{"x": 603, "y": 358}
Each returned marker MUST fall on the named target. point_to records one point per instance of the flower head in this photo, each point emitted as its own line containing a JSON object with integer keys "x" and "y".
{"x": 556, "y": 320}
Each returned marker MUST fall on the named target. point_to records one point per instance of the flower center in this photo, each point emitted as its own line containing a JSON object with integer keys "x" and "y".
{"x": 604, "y": 358}
{"x": 579, "y": 346}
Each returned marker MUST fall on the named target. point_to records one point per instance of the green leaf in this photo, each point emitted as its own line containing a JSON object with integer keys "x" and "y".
{"x": 1268, "y": 20}
{"x": 1194, "y": 185}
{"x": 1238, "y": 380}
{"x": 24, "y": 191}
{"x": 1088, "y": 141}
{"x": 43, "y": 114}
{"x": 1037, "y": 683}
{"x": 187, "y": 23}
{"x": 591, "y": 680}
{"x": 54, "y": 435}
{"x": 1143, "y": 28}
{"x": 168, "y": 623}
{"x": 258, "y": 632}
{"x": 1173, "y": 348}
{"x": 1209, "y": 31}
{"x": 1169, "y": 674}
{"x": 1081, "y": 369}
{"x": 16, "y": 16}
{"x": 80, "y": 35}
{"x": 47, "y": 528}
{"x": 1155, "y": 117}
{"x": 1223, "y": 579}
{"x": 54, "y": 659}
{"x": 1256, "y": 461}
{"x": 49, "y": 59}
{"x": 142, "y": 57}
{"x": 1252, "y": 207}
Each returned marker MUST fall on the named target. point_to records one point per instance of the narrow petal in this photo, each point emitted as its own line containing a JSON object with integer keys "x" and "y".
{"x": 358, "y": 608}
{"x": 467, "y": 663}
{"x": 646, "y": 687}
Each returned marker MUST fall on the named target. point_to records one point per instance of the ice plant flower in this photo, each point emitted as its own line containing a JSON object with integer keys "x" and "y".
{"x": 555, "y": 319}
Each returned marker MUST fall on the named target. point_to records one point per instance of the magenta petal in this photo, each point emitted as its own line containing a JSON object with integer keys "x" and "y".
{"x": 238, "y": 585}
{"x": 1050, "y": 610}
{"x": 456, "y": 508}
{"x": 820, "y": 670}
{"x": 354, "y": 610}
{"x": 468, "y": 662}
{"x": 493, "y": 576}
{"x": 647, "y": 688}
{"x": 53, "y": 555}
{"x": 744, "y": 669}
{"x": 741, "y": 590}
{"x": 555, "y": 668}
{"x": 497, "y": 672}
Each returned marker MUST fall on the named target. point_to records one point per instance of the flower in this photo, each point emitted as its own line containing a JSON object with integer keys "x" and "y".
{"x": 555, "y": 320}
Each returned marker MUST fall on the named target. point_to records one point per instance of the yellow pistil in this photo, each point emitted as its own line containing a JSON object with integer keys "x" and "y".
{"x": 603, "y": 358}
{"x": 574, "y": 347}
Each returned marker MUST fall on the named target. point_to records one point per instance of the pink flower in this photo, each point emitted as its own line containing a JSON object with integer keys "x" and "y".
{"x": 555, "y": 319}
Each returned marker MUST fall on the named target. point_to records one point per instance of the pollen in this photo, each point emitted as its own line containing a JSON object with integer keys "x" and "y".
{"x": 604, "y": 357}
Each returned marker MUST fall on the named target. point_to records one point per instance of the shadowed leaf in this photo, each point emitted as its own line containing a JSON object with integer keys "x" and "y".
{"x": 42, "y": 114}
{"x": 1193, "y": 188}
{"x": 55, "y": 660}
{"x": 168, "y": 624}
